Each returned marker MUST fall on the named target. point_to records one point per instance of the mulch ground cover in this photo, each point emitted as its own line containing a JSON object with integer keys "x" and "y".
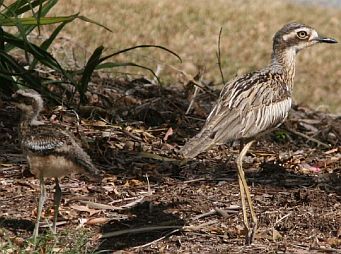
{"x": 150, "y": 200}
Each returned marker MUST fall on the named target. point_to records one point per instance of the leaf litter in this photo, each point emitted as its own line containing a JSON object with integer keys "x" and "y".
{"x": 150, "y": 200}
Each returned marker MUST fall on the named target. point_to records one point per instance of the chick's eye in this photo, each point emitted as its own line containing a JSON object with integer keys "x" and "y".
{"x": 302, "y": 34}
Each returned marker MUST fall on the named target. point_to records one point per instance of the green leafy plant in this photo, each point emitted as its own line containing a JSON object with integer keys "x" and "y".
{"x": 14, "y": 74}
{"x": 280, "y": 136}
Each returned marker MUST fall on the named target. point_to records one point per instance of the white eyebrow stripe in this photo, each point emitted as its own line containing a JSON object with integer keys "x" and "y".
{"x": 306, "y": 29}
{"x": 313, "y": 33}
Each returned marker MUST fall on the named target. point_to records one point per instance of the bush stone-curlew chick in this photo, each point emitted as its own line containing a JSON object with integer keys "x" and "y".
{"x": 253, "y": 103}
{"x": 50, "y": 150}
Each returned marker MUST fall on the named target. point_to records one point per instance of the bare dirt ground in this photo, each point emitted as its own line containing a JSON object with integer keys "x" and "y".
{"x": 151, "y": 201}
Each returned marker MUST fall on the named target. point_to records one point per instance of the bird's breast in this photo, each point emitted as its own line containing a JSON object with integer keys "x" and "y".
{"x": 51, "y": 166}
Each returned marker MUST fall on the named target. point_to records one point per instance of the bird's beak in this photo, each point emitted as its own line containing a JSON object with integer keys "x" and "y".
{"x": 325, "y": 40}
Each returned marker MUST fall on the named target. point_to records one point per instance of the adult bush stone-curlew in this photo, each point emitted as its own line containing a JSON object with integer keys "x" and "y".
{"x": 254, "y": 103}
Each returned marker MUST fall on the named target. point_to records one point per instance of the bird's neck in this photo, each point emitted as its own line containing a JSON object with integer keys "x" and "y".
{"x": 283, "y": 60}
{"x": 29, "y": 119}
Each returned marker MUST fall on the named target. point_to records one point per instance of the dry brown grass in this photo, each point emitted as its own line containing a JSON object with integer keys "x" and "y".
{"x": 191, "y": 29}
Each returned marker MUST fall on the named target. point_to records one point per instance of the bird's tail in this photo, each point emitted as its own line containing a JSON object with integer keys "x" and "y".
{"x": 85, "y": 162}
{"x": 196, "y": 145}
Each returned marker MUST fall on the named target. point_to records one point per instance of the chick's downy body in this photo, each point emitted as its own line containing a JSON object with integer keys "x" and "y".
{"x": 51, "y": 151}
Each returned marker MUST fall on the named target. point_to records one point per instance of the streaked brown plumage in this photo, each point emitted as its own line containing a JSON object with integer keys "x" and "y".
{"x": 253, "y": 103}
{"x": 50, "y": 150}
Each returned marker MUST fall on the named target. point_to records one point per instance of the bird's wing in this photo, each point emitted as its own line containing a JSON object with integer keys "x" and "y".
{"x": 247, "y": 106}
{"x": 44, "y": 140}
{"x": 52, "y": 140}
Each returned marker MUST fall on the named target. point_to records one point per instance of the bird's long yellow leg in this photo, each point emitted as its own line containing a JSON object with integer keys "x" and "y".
{"x": 246, "y": 193}
{"x": 40, "y": 207}
{"x": 56, "y": 204}
{"x": 242, "y": 198}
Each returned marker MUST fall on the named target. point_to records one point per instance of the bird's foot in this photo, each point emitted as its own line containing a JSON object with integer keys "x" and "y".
{"x": 250, "y": 234}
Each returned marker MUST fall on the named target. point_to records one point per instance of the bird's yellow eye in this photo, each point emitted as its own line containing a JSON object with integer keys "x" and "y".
{"x": 302, "y": 34}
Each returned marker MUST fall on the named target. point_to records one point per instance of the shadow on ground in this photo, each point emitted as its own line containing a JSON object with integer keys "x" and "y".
{"x": 145, "y": 215}
{"x": 16, "y": 225}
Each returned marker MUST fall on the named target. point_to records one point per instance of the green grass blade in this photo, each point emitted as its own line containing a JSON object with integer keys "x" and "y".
{"x": 114, "y": 65}
{"x": 38, "y": 15}
{"x": 6, "y": 81}
{"x": 25, "y": 30}
{"x": 141, "y": 46}
{"x": 21, "y": 6}
{"x": 34, "y": 21}
{"x": 93, "y": 22}
{"x": 18, "y": 70}
{"x": 10, "y": 10}
{"x": 47, "y": 6}
{"x": 47, "y": 43}
{"x": 2, "y": 41}
{"x": 41, "y": 55}
{"x": 24, "y": 77}
{"x": 88, "y": 70}
{"x": 111, "y": 65}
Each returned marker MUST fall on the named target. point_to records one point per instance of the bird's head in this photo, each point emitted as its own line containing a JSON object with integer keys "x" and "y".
{"x": 298, "y": 36}
{"x": 29, "y": 102}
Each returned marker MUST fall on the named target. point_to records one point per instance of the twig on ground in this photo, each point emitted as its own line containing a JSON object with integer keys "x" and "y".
{"x": 224, "y": 212}
{"x": 218, "y": 179}
{"x": 196, "y": 90}
{"x": 328, "y": 250}
{"x": 308, "y": 138}
{"x": 155, "y": 156}
{"x": 221, "y": 212}
{"x": 123, "y": 199}
{"x": 309, "y": 248}
{"x": 195, "y": 180}
{"x": 94, "y": 205}
{"x": 134, "y": 203}
{"x": 47, "y": 224}
{"x": 196, "y": 83}
{"x": 109, "y": 207}
{"x": 200, "y": 226}
{"x": 149, "y": 192}
{"x": 132, "y": 135}
{"x": 212, "y": 212}
{"x": 282, "y": 218}
{"x": 157, "y": 240}
{"x": 137, "y": 231}
{"x": 91, "y": 204}
{"x": 157, "y": 228}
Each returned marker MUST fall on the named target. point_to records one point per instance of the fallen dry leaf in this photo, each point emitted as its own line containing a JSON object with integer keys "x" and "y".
{"x": 97, "y": 221}
{"x": 133, "y": 182}
{"x": 331, "y": 151}
{"x": 334, "y": 242}
{"x": 276, "y": 235}
{"x": 82, "y": 208}
{"x": 168, "y": 134}
{"x": 306, "y": 168}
